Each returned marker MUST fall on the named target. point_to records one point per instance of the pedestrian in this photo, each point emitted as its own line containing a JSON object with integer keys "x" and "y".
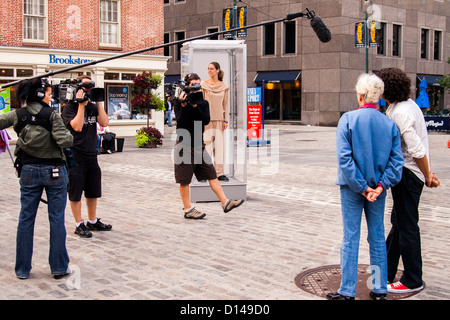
{"x": 81, "y": 118}
{"x": 369, "y": 162}
{"x": 404, "y": 238}
{"x": 216, "y": 92}
{"x": 168, "y": 113}
{"x": 106, "y": 139}
{"x": 190, "y": 156}
{"x": 40, "y": 162}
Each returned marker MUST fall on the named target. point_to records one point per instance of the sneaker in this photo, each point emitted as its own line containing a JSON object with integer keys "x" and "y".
{"x": 338, "y": 296}
{"x": 98, "y": 226}
{"x": 231, "y": 204}
{"x": 194, "y": 214}
{"x": 398, "y": 287}
{"x": 377, "y": 296}
{"x": 82, "y": 231}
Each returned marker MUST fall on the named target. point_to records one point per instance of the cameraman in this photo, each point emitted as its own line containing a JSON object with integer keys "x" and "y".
{"x": 192, "y": 114}
{"x": 81, "y": 117}
{"x": 40, "y": 136}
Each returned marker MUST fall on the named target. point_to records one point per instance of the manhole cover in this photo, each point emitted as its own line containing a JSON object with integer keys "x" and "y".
{"x": 326, "y": 279}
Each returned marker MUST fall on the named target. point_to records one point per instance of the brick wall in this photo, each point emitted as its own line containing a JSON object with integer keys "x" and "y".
{"x": 75, "y": 25}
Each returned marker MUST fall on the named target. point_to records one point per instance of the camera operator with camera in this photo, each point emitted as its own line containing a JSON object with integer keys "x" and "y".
{"x": 81, "y": 116}
{"x": 41, "y": 135}
{"x": 191, "y": 158}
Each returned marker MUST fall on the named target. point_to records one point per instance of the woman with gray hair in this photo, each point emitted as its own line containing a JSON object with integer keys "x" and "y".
{"x": 369, "y": 162}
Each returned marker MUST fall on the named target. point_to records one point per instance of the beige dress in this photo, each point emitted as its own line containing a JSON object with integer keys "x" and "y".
{"x": 219, "y": 108}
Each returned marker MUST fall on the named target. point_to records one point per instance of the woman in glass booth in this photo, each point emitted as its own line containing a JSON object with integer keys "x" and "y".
{"x": 216, "y": 92}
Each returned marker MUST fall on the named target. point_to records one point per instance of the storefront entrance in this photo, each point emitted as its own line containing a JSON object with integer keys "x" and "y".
{"x": 282, "y": 95}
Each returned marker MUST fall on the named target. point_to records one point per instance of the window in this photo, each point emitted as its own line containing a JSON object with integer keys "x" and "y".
{"x": 24, "y": 72}
{"x": 396, "y": 40}
{"x": 109, "y": 23}
{"x": 437, "y": 45}
{"x": 424, "y": 33}
{"x": 380, "y": 35}
{"x": 179, "y": 36}
{"x": 269, "y": 39}
{"x": 35, "y": 20}
{"x": 6, "y": 72}
{"x": 166, "y": 1}
{"x": 213, "y": 30}
{"x": 290, "y": 37}
{"x": 166, "y": 40}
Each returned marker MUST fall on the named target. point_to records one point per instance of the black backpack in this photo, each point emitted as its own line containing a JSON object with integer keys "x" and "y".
{"x": 42, "y": 118}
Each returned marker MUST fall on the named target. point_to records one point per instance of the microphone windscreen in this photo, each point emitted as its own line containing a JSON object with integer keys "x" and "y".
{"x": 320, "y": 29}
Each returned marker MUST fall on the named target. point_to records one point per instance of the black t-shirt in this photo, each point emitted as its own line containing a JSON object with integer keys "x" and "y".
{"x": 191, "y": 121}
{"x": 86, "y": 140}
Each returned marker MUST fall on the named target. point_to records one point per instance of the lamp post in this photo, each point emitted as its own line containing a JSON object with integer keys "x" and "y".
{"x": 366, "y": 33}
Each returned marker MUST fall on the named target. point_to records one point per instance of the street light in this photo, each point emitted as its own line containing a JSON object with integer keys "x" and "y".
{"x": 367, "y": 4}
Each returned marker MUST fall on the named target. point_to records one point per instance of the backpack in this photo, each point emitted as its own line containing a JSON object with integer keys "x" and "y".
{"x": 42, "y": 118}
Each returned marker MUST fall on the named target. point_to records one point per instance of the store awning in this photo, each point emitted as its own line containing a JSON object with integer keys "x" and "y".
{"x": 277, "y": 76}
{"x": 432, "y": 80}
{"x": 170, "y": 79}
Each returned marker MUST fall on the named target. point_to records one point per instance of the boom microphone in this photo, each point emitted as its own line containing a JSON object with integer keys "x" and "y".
{"x": 320, "y": 29}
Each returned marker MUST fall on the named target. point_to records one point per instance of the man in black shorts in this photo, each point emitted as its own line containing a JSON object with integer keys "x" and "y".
{"x": 191, "y": 158}
{"x": 81, "y": 119}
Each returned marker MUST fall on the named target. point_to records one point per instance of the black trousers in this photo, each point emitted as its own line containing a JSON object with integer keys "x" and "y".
{"x": 404, "y": 238}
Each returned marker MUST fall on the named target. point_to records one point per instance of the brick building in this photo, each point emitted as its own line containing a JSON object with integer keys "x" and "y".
{"x": 307, "y": 81}
{"x": 39, "y": 36}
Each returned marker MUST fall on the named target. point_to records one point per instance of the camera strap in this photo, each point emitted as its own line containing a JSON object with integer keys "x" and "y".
{"x": 42, "y": 118}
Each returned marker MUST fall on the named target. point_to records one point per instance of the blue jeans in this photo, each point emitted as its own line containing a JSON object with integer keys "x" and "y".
{"x": 33, "y": 180}
{"x": 168, "y": 116}
{"x": 352, "y": 206}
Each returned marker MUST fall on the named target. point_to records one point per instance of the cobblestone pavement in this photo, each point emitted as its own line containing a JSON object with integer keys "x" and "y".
{"x": 290, "y": 222}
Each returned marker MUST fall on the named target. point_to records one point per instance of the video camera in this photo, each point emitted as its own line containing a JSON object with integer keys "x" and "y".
{"x": 67, "y": 90}
{"x": 193, "y": 93}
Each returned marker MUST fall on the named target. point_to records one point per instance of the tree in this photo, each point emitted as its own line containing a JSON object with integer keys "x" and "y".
{"x": 445, "y": 80}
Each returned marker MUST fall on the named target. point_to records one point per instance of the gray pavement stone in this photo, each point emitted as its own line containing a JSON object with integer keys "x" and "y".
{"x": 290, "y": 223}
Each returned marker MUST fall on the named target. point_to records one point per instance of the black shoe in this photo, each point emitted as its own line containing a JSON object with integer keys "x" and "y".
{"x": 82, "y": 231}
{"x": 338, "y": 296}
{"x": 377, "y": 296}
{"x": 223, "y": 178}
{"x": 61, "y": 275}
{"x": 98, "y": 226}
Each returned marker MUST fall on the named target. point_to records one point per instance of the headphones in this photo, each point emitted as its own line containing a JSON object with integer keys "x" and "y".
{"x": 40, "y": 93}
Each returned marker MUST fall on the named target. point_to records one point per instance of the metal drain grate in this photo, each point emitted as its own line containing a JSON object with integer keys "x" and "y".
{"x": 326, "y": 279}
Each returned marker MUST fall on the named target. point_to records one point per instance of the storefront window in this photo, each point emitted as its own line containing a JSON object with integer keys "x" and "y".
{"x": 128, "y": 76}
{"x": 282, "y": 101}
{"x": 24, "y": 72}
{"x": 272, "y": 101}
{"x": 6, "y": 72}
{"x": 112, "y": 76}
{"x": 291, "y": 101}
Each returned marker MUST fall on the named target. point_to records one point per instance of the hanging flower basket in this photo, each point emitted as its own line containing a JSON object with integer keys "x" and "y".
{"x": 141, "y": 92}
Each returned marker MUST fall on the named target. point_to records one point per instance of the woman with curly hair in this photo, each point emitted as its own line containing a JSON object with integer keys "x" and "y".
{"x": 404, "y": 238}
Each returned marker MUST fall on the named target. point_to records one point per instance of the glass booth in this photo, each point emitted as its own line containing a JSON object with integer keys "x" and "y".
{"x": 232, "y": 57}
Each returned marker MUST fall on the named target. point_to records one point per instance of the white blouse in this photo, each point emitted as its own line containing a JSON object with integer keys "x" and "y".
{"x": 411, "y": 123}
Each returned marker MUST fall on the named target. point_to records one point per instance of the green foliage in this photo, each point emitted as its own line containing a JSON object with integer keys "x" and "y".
{"x": 147, "y": 135}
{"x": 445, "y": 81}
